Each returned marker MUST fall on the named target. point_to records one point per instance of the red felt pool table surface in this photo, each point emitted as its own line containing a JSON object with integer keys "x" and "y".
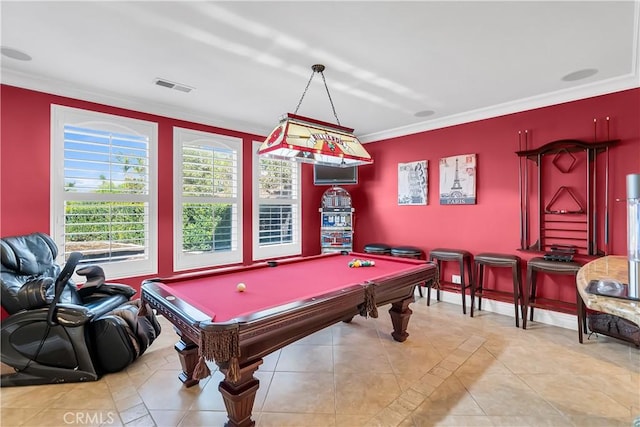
{"x": 216, "y": 295}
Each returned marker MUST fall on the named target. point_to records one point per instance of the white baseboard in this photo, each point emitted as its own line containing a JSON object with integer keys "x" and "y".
{"x": 553, "y": 318}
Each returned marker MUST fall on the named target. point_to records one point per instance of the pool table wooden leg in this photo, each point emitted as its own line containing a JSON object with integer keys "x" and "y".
{"x": 239, "y": 396}
{"x": 400, "y": 314}
{"x": 188, "y": 355}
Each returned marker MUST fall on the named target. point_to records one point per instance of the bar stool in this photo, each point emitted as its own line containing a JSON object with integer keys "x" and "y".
{"x": 539, "y": 264}
{"x": 463, "y": 258}
{"x": 377, "y": 248}
{"x": 487, "y": 259}
{"x": 408, "y": 252}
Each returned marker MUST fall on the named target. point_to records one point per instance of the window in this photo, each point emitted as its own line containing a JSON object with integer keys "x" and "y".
{"x": 276, "y": 207}
{"x": 207, "y": 199}
{"x": 103, "y": 190}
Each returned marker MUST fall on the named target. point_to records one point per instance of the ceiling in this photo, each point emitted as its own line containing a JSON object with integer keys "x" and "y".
{"x": 392, "y": 68}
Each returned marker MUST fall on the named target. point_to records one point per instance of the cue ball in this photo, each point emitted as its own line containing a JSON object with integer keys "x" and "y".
{"x": 241, "y": 287}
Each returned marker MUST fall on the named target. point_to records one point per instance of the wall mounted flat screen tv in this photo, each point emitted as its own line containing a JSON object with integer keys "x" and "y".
{"x": 329, "y": 175}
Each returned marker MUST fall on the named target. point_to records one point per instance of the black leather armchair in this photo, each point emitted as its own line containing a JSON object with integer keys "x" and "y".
{"x": 57, "y": 332}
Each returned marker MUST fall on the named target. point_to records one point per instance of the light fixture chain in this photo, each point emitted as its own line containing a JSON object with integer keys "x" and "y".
{"x": 330, "y": 100}
{"x": 305, "y": 92}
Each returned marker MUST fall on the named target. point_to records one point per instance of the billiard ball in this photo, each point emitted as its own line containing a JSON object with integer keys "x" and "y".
{"x": 241, "y": 287}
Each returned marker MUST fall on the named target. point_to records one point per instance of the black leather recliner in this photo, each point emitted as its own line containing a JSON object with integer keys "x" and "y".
{"x": 57, "y": 332}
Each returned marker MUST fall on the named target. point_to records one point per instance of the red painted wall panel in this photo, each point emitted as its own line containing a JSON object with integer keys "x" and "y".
{"x": 490, "y": 225}
{"x": 25, "y": 167}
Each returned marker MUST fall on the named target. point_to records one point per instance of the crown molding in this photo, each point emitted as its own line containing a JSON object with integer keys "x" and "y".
{"x": 566, "y": 95}
{"x": 70, "y": 90}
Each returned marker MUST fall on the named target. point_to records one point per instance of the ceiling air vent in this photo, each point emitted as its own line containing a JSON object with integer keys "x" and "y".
{"x": 173, "y": 85}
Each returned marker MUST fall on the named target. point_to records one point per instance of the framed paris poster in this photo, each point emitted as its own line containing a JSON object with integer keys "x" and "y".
{"x": 412, "y": 183}
{"x": 458, "y": 180}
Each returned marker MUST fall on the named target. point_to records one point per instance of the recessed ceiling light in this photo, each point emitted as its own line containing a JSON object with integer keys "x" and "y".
{"x": 14, "y": 54}
{"x": 424, "y": 113}
{"x": 580, "y": 74}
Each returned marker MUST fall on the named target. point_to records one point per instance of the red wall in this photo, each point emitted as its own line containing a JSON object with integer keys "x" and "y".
{"x": 25, "y": 168}
{"x": 490, "y": 225}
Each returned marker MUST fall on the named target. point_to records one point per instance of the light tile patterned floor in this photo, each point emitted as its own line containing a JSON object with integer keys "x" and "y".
{"x": 452, "y": 371}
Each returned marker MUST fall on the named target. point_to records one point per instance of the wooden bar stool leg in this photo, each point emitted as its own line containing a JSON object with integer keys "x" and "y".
{"x": 441, "y": 278}
{"x": 527, "y": 292}
{"x": 476, "y": 286}
{"x": 462, "y": 287}
{"x": 516, "y": 293}
{"x": 480, "y": 279}
{"x": 521, "y": 292}
{"x": 532, "y": 295}
{"x": 471, "y": 273}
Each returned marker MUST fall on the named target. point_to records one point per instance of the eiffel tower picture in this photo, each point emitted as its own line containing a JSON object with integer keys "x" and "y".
{"x": 457, "y": 180}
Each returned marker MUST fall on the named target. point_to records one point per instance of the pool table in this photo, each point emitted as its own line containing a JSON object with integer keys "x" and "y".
{"x": 284, "y": 301}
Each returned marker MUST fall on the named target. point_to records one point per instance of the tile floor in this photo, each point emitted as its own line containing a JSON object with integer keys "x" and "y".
{"x": 452, "y": 371}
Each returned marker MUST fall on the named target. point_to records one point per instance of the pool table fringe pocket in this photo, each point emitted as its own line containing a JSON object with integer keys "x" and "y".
{"x": 223, "y": 346}
{"x": 201, "y": 371}
{"x": 370, "y": 307}
{"x": 435, "y": 282}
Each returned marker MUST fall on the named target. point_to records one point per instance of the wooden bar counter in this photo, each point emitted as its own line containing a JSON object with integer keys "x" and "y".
{"x": 608, "y": 267}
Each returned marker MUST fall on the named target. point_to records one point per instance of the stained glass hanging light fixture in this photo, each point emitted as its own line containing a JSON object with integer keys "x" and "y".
{"x": 313, "y": 141}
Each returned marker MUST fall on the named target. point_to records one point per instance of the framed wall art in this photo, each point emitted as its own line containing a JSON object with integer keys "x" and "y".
{"x": 458, "y": 180}
{"x": 412, "y": 183}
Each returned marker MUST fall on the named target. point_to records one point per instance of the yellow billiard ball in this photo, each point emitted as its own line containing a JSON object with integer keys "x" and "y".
{"x": 241, "y": 287}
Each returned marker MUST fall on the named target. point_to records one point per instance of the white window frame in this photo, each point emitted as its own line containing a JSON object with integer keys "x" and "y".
{"x": 281, "y": 250}
{"x": 63, "y": 115}
{"x": 186, "y": 261}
